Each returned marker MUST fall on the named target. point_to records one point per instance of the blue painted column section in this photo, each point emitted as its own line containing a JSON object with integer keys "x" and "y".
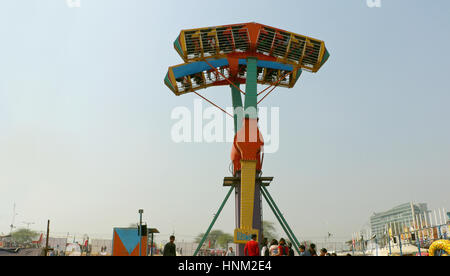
{"x": 418, "y": 243}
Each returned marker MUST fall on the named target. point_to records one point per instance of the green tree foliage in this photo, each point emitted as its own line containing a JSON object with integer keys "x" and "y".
{"x": 24, "y": 235}
{"x": 224, "y": 240}
{"x": 270, "y": 231}
{"x": 218, "y": 239}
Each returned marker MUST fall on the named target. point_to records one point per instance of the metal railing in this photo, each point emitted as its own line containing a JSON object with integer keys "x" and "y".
{"x": 210, "y": 42}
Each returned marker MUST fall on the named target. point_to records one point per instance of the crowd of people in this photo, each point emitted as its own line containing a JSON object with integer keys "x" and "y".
{"x": 280, "y": 248}
{"x": 254, "y": 249}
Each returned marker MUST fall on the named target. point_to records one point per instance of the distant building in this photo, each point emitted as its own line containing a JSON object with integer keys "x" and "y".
{"x": 399, "y": 216}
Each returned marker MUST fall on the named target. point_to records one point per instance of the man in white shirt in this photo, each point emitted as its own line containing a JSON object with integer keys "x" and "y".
{"x": 230, "y": 252}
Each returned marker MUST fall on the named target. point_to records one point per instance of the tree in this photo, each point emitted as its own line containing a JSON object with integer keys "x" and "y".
{"x": 24, "y": 235}
{"x": 217, "y": 237}
{"x": 224, "y": 240}
{"x": 269, "y": 230}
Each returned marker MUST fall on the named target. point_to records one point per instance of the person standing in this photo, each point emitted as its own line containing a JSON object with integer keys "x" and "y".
{"x": 170, "y": 249}
{"x": 252, "y": 247}
{"x": 291, "y": 251}
{"x": 273, "y": 249}
{"x": 302, "y": 250}
{"x": 282, "y": 248}
{"x": 311, "y": 251}
{"x": 265, "y": 248}
{"x": 230, "y": 252}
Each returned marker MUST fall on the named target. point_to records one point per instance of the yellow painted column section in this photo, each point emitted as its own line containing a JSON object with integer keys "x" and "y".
{"x": 248, "y": 178}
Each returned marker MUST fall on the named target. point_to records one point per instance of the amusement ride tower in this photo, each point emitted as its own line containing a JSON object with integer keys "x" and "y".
{"x": 235, "y": 55}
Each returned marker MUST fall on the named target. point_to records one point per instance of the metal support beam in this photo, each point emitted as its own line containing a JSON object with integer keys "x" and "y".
{"x": 280, "y": 221}
{"x": 281, "y": 215}
{"x": 47, "y": 237}
{"x": 140, "y": 231}
{"x": 251, "y": 93}
{"x": 238, "y": 111}
{"x": 216, "y": 216}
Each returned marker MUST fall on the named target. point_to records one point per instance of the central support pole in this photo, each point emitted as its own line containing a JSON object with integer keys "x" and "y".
{"x": 251, "y": 92}
{"x": 280, "y": 218}
{"x": 295, "y": 241}
{"x": 248, "y": 142}
{"x": 238, "y": 113}
{"x": 238, "y": 110}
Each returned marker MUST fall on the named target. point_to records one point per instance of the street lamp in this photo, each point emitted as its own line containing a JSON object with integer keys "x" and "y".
{"x": 141, "y": 211}
{"x": 374, "y": 237}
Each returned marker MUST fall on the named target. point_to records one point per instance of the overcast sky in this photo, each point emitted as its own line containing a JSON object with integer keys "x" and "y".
{"x": 85, "y": 118}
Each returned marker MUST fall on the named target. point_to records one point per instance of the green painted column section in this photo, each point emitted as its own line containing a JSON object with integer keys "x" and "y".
{"x": 216, "y": 216}
{"x": 237, "y": 107}
{"x": 251, "y": 92}
{"x": 281, "y": 215}
{"x": 291, "y": 238}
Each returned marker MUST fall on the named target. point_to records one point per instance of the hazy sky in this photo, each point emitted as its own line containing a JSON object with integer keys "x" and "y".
{"x": 85, "y": 116}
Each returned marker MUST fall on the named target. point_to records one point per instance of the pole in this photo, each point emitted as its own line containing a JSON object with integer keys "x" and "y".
{"x": 363, "y": 246}
{"x": 436, "y": 226}
{"x": 281, "y": 222}
{"x": 417, "y": 231}
{"x": 238, "y": 114}
{"x": 65, "y": 247}
{"x": 140, "y": 231}
{"x": 376, "y": 245}
{"x": 46, "y": 241}
{"x": 353, "y": 244}
{"x": 389, "y": 238}
{"x": 418, "y": 244}
{"x": 280, "y": 214}
{"x": 213, "y": 222}
{"x": 151, "y": 247}
{"x": 13, "y": 219}
{"x": 238, "y": 109}
{"x": 422, "y": 239}
{"x": 444, "y": 215}
{"x": 445, "y": 224}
